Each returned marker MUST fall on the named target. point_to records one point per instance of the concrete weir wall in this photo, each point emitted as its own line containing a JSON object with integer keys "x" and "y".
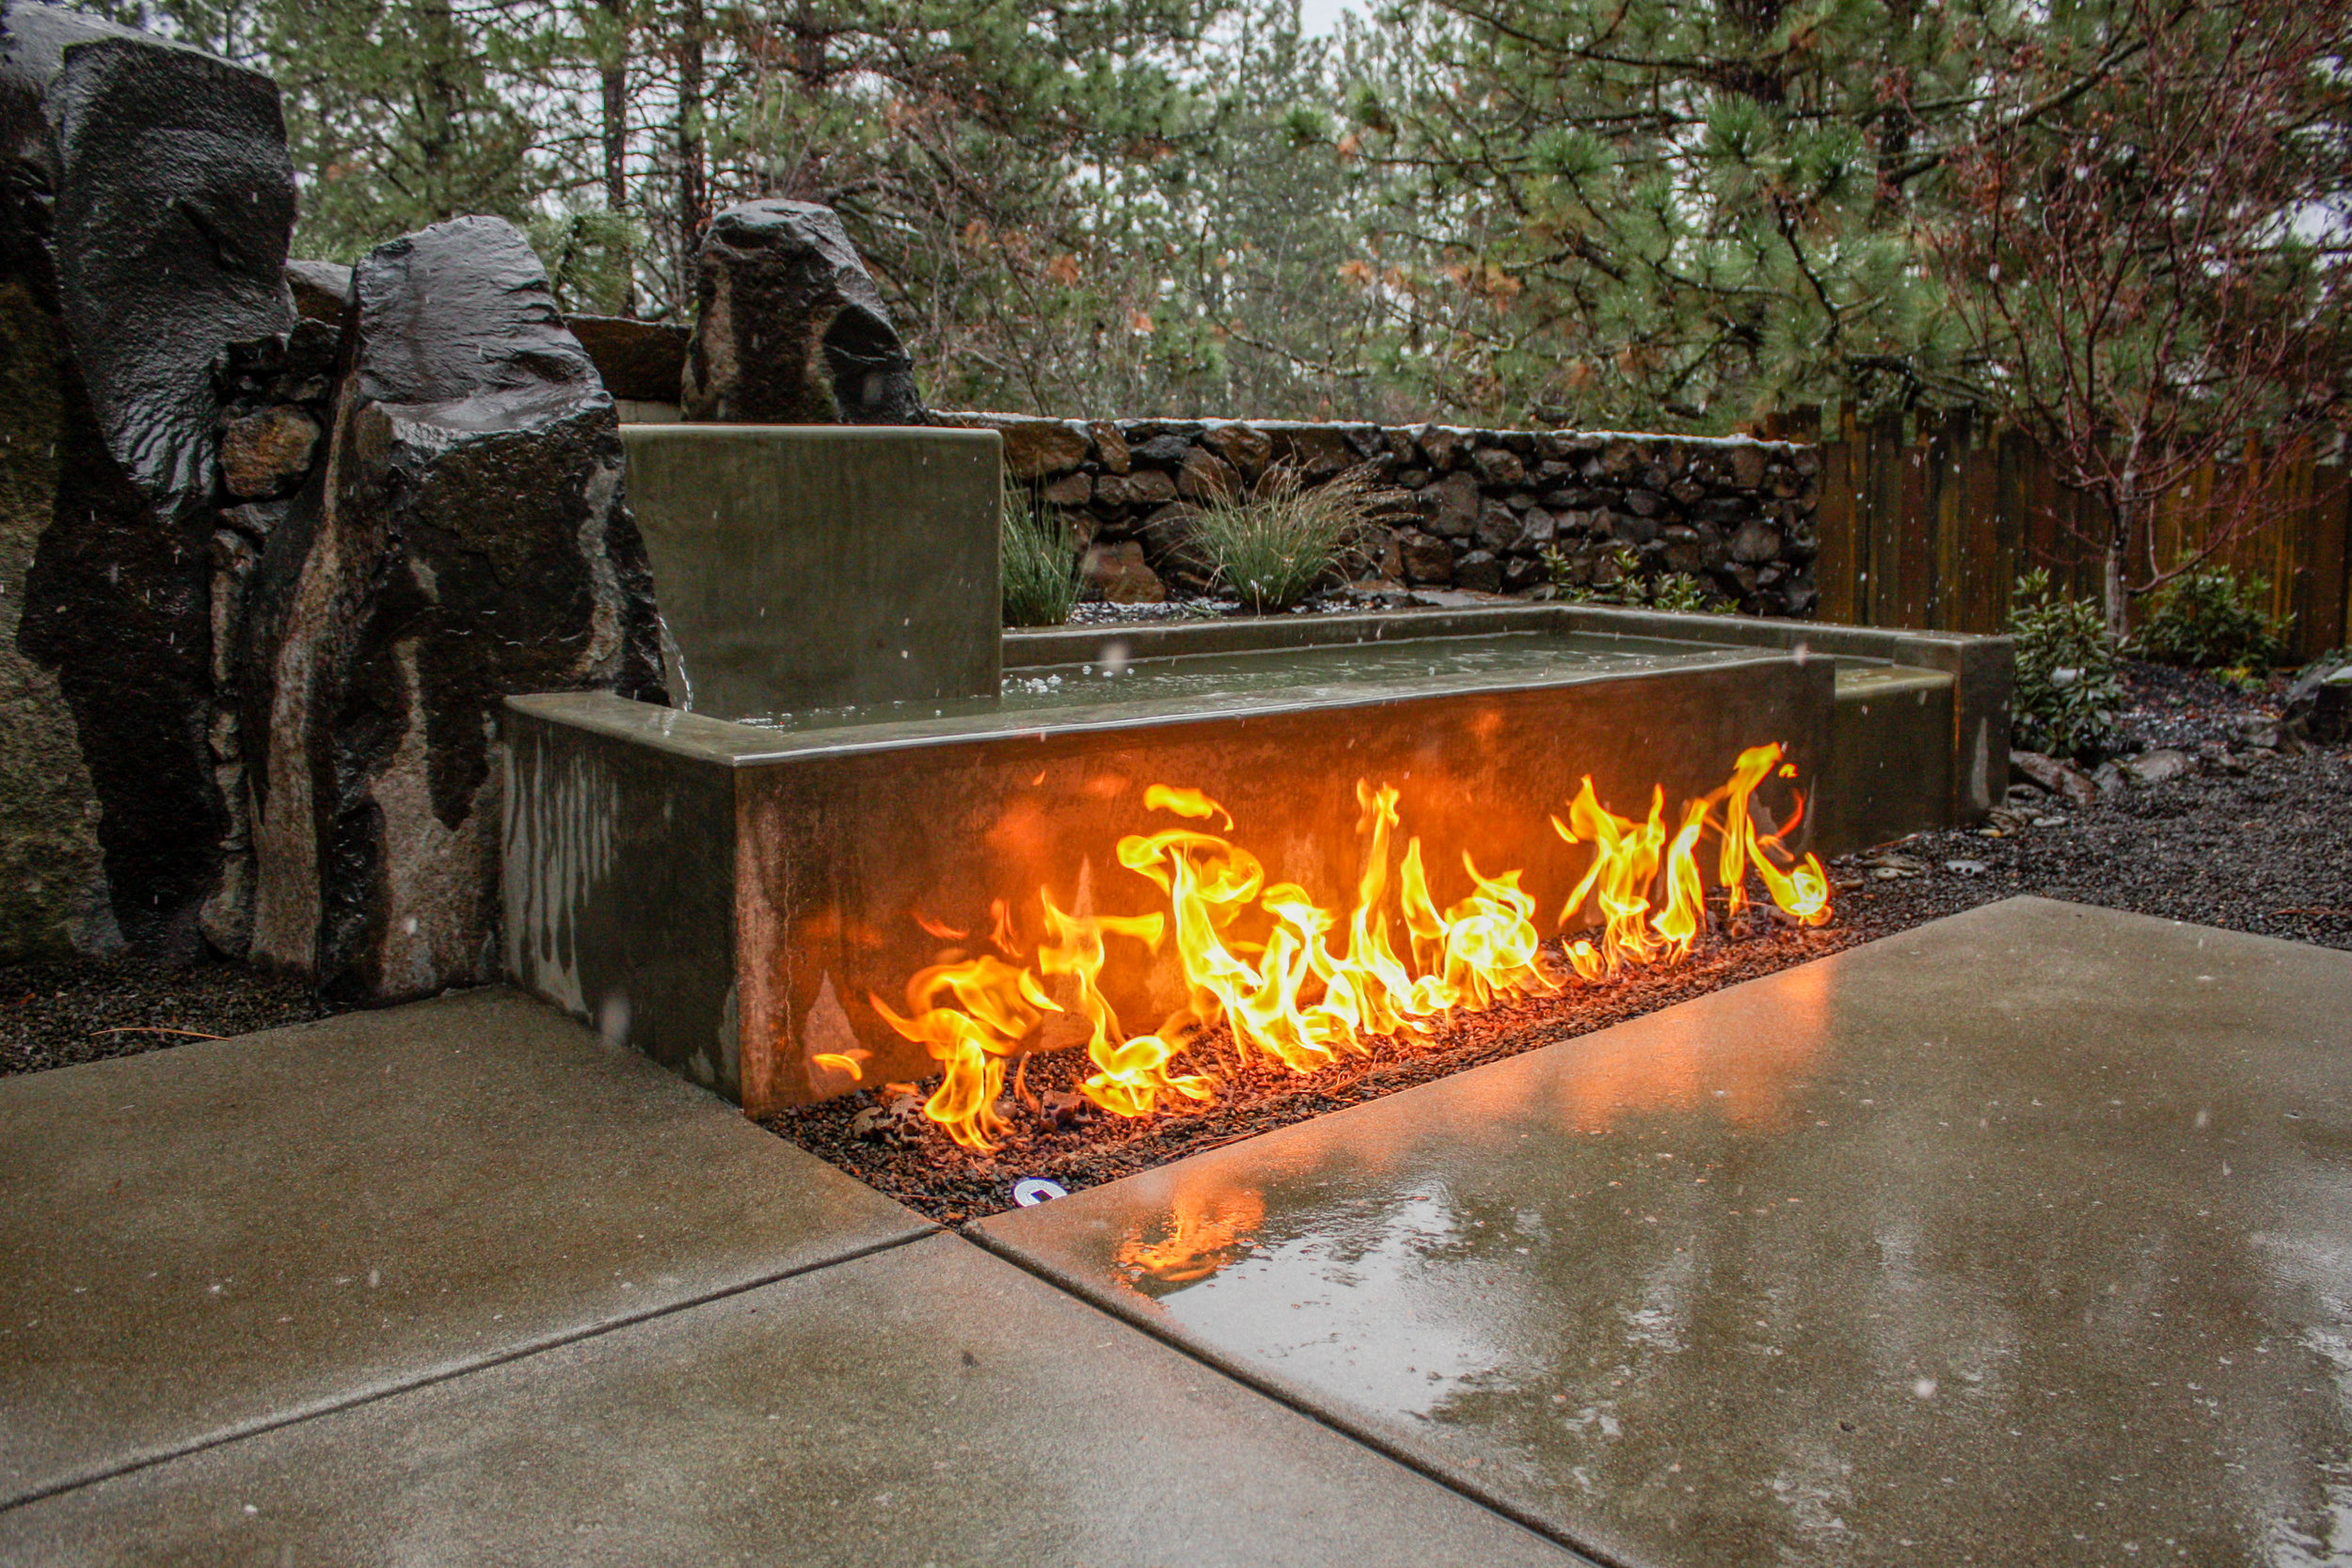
{"x": 789, "y": 869}
{"x": 819, "y": 566}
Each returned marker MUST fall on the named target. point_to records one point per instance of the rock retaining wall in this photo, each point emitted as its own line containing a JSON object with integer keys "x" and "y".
{"x": 1477, "y": 508}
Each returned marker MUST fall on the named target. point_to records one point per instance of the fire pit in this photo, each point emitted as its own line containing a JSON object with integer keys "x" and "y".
{"x": 1166, "y": 853}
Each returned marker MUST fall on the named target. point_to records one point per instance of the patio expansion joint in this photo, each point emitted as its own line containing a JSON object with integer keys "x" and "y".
{"x": 1298, "y": 1402}
{"x": 360, "y": 1397}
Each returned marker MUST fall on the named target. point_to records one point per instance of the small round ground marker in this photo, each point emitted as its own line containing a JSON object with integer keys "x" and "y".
{"x": 1031, "y": 1191}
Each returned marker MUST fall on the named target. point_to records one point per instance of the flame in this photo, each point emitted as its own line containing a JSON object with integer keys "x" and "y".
{"x": 1314, "y": 985}
{"x": 996, "y": 1006}
{"x": 1203, "y": 1233}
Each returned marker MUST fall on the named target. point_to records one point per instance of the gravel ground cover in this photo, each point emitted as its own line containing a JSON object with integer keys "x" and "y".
{"x": 58, "y": 1013}
{"x": 2247, "y": 839}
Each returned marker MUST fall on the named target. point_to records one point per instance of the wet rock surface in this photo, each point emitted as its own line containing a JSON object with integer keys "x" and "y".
{"x": 789, "y": 328}
{"x": 144, "y": 211}
{"x": 474, "y": 544}
{"x": 644, "y": 361}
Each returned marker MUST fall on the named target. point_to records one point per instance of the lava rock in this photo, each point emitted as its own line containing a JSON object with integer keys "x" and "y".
{"x": 145, "y": 202}
{"x": 790, "y": 327}
{"x": 641, "y": 361}
{"x": 471, "y": 542}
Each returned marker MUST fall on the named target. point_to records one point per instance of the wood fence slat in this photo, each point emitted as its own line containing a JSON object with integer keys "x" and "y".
{"x": 1931, "y": 530}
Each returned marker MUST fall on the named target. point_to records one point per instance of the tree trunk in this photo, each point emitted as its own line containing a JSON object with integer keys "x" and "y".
{"x": 615, "y": 75}
{"x": 693, "y": 198}
{"x": 2114, "y": 596}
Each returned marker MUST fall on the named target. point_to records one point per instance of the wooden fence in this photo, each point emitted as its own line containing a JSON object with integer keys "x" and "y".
{"x": 1928, "y": 526}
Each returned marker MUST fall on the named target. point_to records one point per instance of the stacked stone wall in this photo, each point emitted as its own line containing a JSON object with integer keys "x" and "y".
{"x": 1476, "y": 509}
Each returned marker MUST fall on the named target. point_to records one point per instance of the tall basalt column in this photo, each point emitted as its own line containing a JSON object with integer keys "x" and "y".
{"x": 465, "y": 540}
{"x": 144, "y": 202}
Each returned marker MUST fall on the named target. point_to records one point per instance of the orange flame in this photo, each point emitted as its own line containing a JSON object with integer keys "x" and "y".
{"x": 1202, "y": 1234}
{"x": 1296, "y": 997}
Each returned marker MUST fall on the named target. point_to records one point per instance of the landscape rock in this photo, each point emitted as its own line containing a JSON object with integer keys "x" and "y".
{"x": 1248, "y": 448}
{"x": 266, "y": 454}
{"x": 1039, "y": 449}
{"x": 144, "y": 202}
{"x": 1071, "y": 490}
{"x": 473, "y": 543}
{"x": 1756, "y": 542}
{"x": 1111, "y": 446}
{"x": 789, "y": 328}
{"x": 1498, "y": 466}
{"x": 1116, "y": 574}
{"x": 2319, "y": 704}
{"x": 322, "y": 290}
{"x": 1478, "y": 570}
{"x": 1425, "y": 559}
{"x": 641, "y": 361}
{"x": 2161, "y": 766}
{"x": 1206, "y": 478}
{"x": 2061, "y": 779}
{"x": 1456, "y": 500}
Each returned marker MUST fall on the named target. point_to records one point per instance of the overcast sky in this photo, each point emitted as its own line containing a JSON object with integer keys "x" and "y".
{"x": 1318, "y": 17}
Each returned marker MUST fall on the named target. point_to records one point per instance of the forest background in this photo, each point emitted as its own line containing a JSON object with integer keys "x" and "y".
{"x": 1671, "y": 215}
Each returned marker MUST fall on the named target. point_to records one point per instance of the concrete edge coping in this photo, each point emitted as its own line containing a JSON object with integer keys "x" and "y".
{"x": 703, "y": 739}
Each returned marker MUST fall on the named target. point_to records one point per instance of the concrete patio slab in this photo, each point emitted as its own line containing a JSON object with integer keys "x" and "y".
{"x": 2022, "y": 1237}
{"x": 207, "y": 1239}
{"x": 930, "y": 1404}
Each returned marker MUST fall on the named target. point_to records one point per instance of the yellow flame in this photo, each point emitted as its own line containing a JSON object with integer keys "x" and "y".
{"x": 1317, "y": 984}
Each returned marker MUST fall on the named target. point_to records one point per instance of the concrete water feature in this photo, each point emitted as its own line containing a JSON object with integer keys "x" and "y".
{"x": 727, "y": 886}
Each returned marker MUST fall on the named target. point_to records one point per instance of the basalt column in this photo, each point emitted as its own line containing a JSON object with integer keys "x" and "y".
{"x": 145, "y": 200}
{"x": 465, "y": 539}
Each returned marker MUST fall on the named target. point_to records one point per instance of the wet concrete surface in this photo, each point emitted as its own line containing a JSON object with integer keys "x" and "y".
{"x": 206, "y": 1241}
{"x": 2023, "y": 1236}
{"x": 925, "y": 1404}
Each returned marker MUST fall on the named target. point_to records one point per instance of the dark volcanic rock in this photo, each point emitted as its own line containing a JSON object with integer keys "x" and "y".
{"x": 643, "y": 361}
{"x": 145, "y": 202}
{"x": 790, "y": 327}
{"x": 465, "y": 540}
{"x": 321, "y": 290}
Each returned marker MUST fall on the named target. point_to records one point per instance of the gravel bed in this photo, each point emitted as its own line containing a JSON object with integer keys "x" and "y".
{"x": 55, "y": 1014}
{"x": 2252, "y": 842}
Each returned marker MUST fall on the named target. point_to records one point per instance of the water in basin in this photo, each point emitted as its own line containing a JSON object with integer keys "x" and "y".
{"x": 1208, "y": 682}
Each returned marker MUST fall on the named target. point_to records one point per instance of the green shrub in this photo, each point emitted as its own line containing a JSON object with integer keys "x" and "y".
{"x": 2209, "y": 619}
{"x": 1678, "y": 592}
{"x": 2064, "y": 702}
{"x": 1041, "y": 565}
{"x": 1273, "y": 548}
